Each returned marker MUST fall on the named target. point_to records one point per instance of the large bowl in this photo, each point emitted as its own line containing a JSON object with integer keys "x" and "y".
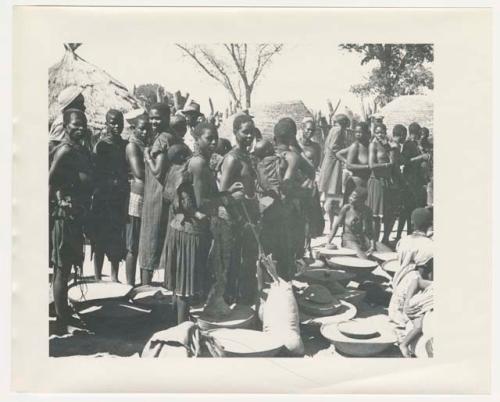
{"x": 356, "y": 347}
{"x": 326, "y": 276}
{"x": 346, "y": 312}
{"x": 391, "y": 267}
{"x": 247, "y": 343}
{"x": 240, "y": 317}
{"x": 355, "y": 265}
{"x": 339, "y": 252}
{"x": 383, "y": 256}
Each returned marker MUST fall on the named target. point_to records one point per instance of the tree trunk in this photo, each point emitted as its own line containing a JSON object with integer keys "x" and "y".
{"x": 248, "y": 97}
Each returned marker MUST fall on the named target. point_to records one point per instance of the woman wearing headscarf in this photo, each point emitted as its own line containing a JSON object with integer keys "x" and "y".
{"x": 330, "y": 175}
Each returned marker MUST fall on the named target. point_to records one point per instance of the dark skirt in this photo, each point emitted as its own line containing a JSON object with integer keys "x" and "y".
{"x": 67, "y": 239}
{"x": 109, "y": 219}
{"x": 378, "y": 196}
{"x": 277, "y": 239}
{"x": 187, "y": 271}
{"x": 133, "y": 233}
{"x": 154, "y": 223}
{"x": 330, "y": 176}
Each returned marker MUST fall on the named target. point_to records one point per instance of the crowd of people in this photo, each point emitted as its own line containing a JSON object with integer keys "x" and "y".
{"x": 176, "y": 197}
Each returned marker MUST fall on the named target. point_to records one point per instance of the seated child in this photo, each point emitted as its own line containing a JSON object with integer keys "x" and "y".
{"x": 419, "y": 301}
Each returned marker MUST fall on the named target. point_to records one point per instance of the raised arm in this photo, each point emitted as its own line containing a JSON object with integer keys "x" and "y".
{"x": 157, "y": 165}
{"x": 410, "y": 154}
{"x": 135, "y": 161}
{"x": 352, "y": 158}
{"x": 342, "y": 154}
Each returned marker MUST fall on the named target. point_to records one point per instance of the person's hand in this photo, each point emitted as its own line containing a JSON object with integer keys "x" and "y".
{"x": 236, "y": 187}
{"x": 410, "y": 310}
{"x": 426, "y": 157}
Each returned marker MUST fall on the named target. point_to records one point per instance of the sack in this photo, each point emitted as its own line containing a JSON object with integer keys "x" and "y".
{"x": 281, "y": 316}
{"x": 172, "y": 342}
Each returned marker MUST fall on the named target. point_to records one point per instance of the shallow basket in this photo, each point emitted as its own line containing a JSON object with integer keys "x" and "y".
{"x": 355, "y": 265}
{"x": 247, "y": 343}
{"x": 339, "y": 252}
{"x": 241, "y": 317}
{"x": 356, "y": 347}
{"x": 391, "y": 267}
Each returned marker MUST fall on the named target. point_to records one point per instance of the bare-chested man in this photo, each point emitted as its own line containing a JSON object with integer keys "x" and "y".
{"x": 70, "y": 189}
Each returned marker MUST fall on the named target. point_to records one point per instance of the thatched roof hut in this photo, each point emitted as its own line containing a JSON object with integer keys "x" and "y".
{"x": 266, "y": 115}
{"x": 101, "y": 91}
{"x": 408, "y": 109}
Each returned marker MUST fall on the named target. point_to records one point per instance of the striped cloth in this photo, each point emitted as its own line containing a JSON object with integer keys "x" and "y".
{"x": 135, "y": 205}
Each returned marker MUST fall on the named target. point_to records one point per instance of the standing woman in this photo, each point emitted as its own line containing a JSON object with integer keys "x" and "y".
{"x": 154, "y": 221}
{"x": 188, "y": 238}
{"x": 357, "y": 160}
{"x": 330, "y": 175}
{"x": 134, "y": 151}
{"x": 379, "y": 197}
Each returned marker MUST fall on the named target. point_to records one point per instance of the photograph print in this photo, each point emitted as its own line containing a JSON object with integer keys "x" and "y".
{"x": 241, "y": 200}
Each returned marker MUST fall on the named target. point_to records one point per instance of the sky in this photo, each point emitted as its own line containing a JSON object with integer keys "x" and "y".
{"x": 312, "y": 73}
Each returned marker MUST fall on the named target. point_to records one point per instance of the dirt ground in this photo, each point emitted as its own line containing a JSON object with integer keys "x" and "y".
{"x": 116, "y": 331}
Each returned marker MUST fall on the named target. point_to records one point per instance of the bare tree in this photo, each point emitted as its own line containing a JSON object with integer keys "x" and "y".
{"x": 234, "y": 65}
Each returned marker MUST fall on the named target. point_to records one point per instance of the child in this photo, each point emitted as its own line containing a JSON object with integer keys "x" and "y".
{"x": 176, "y": 188}
{"x": 268, "y": 168}
{"x": 419, "y": 301}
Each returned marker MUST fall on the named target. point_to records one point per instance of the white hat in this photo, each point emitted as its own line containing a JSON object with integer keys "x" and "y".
{"x": 68, "y": 95}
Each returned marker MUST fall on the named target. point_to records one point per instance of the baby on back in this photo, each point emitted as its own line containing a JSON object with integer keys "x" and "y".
{"x": 269, "y": 167}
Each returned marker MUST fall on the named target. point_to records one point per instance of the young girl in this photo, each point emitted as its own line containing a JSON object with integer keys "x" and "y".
{"x": 356, "y": 218}
{"x": 188, "y": 238}
{"x": 379, "y": 183}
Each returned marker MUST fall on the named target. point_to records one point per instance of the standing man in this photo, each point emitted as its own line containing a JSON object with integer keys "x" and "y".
{"x": 70, "y": 189}
{"x": 109, "y": 204}
{"x": 330, "y": 175}
{"x": 192, "y": 113}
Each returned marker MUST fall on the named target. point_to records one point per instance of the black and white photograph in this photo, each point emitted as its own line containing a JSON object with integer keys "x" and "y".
{"x": 240, "y": 199}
